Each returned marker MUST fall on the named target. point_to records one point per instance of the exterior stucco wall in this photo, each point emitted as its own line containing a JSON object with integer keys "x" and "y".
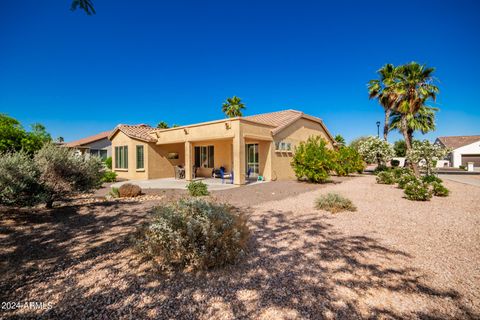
{"x": 159, "y": 166}
{"x": 120, "y": 139}
{"x": 297, "y": 132}
{"x": 103, "y": 144}
{"x": 456, "y": 155}
{"x": 222, "y": 155}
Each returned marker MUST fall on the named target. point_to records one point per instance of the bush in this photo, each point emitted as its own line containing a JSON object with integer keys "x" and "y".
{"x": 417, "y": 191}
{"x": 129, "y": 190}
{"x": 334, "y": 203}
{"x": 313, "y": 160}
{"x": 428, "y": 152}
{"x": 194, "y": 234}
{"x": 114, "y": 192}
{"x": 348, "y": 161}
{"x": 405, "y": 179}
{"x": 395, "y": 163}
{"x": 19, "y": 177}
{"x": 439, "y": 190}
{"x": 431, "y": 178}
{"x": 63, "y": 173}
{"x": 398, "y": 172}
{"x": 462, "y": 167}
{"x": 109, "y": 176}
{"x": 386, "y": 177}
{"x": 380, "y": 168}
{"x": 376, "y": 150}
{"x": 108, "y": 163}
{"x": 197, "y": 189}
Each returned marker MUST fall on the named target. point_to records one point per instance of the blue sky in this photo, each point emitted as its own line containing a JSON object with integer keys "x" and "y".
{"x": 147, "y": 61}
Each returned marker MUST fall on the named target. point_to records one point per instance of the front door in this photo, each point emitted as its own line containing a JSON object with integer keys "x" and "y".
{"x": 252, "y": 158}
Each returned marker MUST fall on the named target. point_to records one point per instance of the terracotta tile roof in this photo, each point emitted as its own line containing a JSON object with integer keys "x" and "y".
{"x": 138, "y": 131}
{"x": 87, "y": 140}
{"x": 455, "y": 142}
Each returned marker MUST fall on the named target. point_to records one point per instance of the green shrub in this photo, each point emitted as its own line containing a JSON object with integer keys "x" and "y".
{"x": 334, "y": 202}
{"x": 439, "y": 190}
{"x": 398, "y": 172}
{"x": 197, "y": 189}
{"x": 405, "y": 179}
{"x": 108, "y": 163}
{"x": 386, "y": 177}
{"x": 381, "y": 168}
{"x": 109, "y": 176}
{"x": 418, "y": 191}
{"x": 114, "y": 192}
{"x": 348, "y": 161}
{"x": 19, "y": 177}
{"x": 431, "y": 178}
{"x": 395, "y": 163}
{"x": 313, "y": 160}
{"x": 462, "y": 167}
{"x": 194, "y": 234}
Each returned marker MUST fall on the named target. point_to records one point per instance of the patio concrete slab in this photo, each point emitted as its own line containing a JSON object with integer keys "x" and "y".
{"x": 172, "y": 183}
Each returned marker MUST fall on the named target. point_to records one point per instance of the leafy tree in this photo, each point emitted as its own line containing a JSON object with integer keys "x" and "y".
{"x": 313, "y": 160}
{"x": 400, "y": 148}
{"x": 348, "y": 161}
{"x": 85, "y": 5}
{"x": 60, "y": 140}
{"x": 162, "y": 125}
{"x": 355, "y": 144}
{"x": 340, "y": 140}
{"x": 35, "y": 139}
{"x": 11, "y": 134}
{"x": 428, "y": 152}
{"x": 233, "y": 107}
{"x": 378, "y": 89}
{"x": 376, "y": 150}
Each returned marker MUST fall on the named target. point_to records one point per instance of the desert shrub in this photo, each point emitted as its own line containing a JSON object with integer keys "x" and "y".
{"x": 439, "y": 190}
{"x": 19, "y": 177}
{"x": 380, "y": 168}
{"x": 405, "y": 179}
{"x": 376, "y": 150}
{"x": 129, "y": 190}
{"x": 197, "y": 189}
{"x": 334, "y": 202}
{"x": 348, "y": 161}
{"x": 428, "y": 152}
{"x": 395, "y": 163}
{"x": 108, "y": 163}
{"x": 63, "y": 173}
{"x": 462, "y": 167}
{"x": 398, "y": 172}
{"x": 417, "y": 191}
{"x": 313, "y": 160}
{"x": 109, "y": 176}
{"x": 386, "y": 177}
{"x": 114, "y": 192}
{"x": 194, "y": 234}
{"x": 431, "y": 178}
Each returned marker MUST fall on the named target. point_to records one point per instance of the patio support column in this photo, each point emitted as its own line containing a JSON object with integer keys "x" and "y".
{"x": 188, "y": 161}
{"x": 239, "y": 159}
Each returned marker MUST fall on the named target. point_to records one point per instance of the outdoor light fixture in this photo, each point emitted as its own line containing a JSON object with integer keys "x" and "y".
{"x": 378, "y": 129}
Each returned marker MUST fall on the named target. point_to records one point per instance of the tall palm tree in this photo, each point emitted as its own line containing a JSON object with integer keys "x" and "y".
{"x": 85, "y": 5}
{"x": 379, "y": 89}
{"x": 162, "y": 125}
{"x": 423, "y": 121}
{"x": 233, "y": 107}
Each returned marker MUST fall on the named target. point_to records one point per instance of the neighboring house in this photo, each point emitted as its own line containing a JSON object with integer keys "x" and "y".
{"x": 464, "y": 149}
{"x": 261, "y": 145}
{"x": 97, "y": 145}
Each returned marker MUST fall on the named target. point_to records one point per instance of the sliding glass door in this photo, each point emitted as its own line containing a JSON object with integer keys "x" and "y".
{"x": 252, "y": 158}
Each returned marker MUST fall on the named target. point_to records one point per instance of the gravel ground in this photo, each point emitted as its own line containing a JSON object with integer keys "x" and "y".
{"x": 391, "y": 259}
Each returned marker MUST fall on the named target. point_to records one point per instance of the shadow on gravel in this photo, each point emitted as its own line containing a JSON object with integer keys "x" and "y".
{"x": 298, "y": 266}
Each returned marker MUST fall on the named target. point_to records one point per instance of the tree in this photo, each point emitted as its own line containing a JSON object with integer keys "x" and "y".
{"x": 85, "y": 5}
{"x": 378, "y": 89}
{"x": 428, "y": 152}
{"x": 423, "y": 120}
{"x": 313, "y": 160}
{"x": 11, "y": 134}
{"x": 400, "y": 148}
{"x": 376, "y": 150}
{"x": 60, "y": 139}
{"x": 355, "y": 144}
{"x": 162, "y": 125}
{"x": 35, "y": 139}
{"x": 233, "y": 107}
{"x": 348, "y": 161}
{"x": 339, "y": 140}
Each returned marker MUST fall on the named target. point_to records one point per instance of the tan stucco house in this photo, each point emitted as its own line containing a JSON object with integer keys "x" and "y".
{"x": 259, "y": 145}
{"x": 97, "y": 145}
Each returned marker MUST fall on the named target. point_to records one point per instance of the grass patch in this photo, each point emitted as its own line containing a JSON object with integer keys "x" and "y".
{"x": 334, "y": 203}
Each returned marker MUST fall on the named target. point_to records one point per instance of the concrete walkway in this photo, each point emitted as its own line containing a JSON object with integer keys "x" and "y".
{"x": 473, "y": 180}
{"x": 172, "y": 183}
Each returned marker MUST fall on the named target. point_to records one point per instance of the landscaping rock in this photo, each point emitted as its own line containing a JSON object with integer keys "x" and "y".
{"x": 129, "y": 190}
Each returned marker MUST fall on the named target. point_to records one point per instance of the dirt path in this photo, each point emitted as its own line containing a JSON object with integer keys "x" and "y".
{"x": 391, "y": 259}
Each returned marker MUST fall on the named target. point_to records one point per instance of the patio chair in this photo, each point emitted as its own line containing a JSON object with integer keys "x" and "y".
{"x": 224, "y": 175}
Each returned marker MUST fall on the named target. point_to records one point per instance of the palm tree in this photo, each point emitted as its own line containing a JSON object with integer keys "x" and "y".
{"x": 378, "y": 89}
{"x": 233, "y": 107}
{"x": 162, "y": 125}
{"x": 340, "y": 140}
{"x": 423, "y": 121}
{"x": 85, "y": 5}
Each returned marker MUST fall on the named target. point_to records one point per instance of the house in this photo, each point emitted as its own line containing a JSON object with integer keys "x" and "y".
{"x": 464, "y": 149}
{"x": 97, "y": 145}
{"x": 259, "y": 145}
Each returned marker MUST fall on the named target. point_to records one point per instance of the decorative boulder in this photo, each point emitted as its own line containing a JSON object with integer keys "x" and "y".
{"x": 129, "y": 190}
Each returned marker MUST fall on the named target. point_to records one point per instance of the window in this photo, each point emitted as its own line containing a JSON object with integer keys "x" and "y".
{"x": 99, "y": 153}
{"x": 204, "y": 156}
{"x": 121, "y": 157}
{"x": 140, "y": 164}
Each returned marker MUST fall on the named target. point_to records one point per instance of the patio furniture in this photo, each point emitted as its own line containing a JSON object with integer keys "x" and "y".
{"x": 179, "y": 172}
{"x": 194, "y": 172}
